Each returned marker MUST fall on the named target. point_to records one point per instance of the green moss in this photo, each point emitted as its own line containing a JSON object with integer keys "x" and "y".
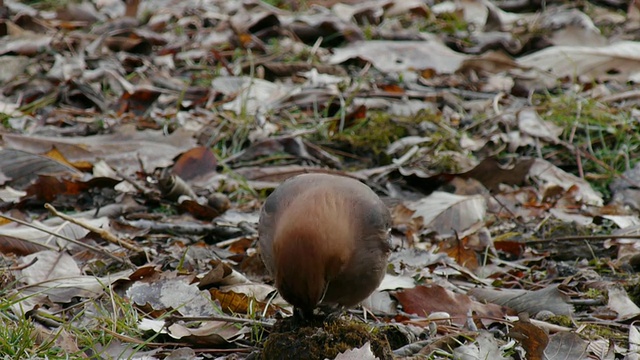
{"x": 561, "y": 320}
{"x": 449, "y": 23}
{"x": 166, "y": 209}
{"x": 50, "y": 4}
{"x": 285, "y": 55}
{"x": 321, "y": 340}
{"x": 369, "y": 138}
{"x": 592, "y": 293}
{"x": 394, "y": 336}
{"x": 596, "y": 331}
{"x": 203, "y": 75}
{"x": 289, "y": 4}
{"x": 373, "y": 134}
{"x": 4, "y": 121}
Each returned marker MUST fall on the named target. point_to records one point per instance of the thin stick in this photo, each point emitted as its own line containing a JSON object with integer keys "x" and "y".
{"x": 50, "y": 247}
{"x": 229, "y": 319}
{"x": 580, "y": 238}
{"x": 73, "y": 241}
{"x": 102, "y": 232}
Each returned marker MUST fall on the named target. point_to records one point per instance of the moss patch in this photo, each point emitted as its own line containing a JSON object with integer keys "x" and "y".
{"x": 561, "y": 320}
{"x": 594, "y": 331}
{"x": 370, "y": 137}
{"x": 321, "y": 340}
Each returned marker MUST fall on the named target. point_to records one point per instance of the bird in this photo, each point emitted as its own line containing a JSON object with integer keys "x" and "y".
{"x": 325, "y": 241}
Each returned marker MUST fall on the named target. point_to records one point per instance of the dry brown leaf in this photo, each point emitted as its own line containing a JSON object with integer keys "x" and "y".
{"x": 533, "y": 339}
{"x": 124, "y": 150}
{"x": 459, "y": 250}
{"x": 57, "y": 277}
{"x": 491, "y": 174}
{"x": 243, "y": 300}
{"x": 401, "y": 56}
{"x": 170, "y": 294}
{"x": 447, "y": 213}
{"x": 618, "y": 61}
{"x": 548, "y": 174}
{"x": 620, "y": 302}
{"x": 198, "y": 161}
{"x": 362, "y": 353}
{"x": 565, "y": 346}
{"x": 530, "y": 123}
{"x": 21, "y": 167}
{"x": 423, "y": 300}
{"x": 27, "y": 44}
{"x": 547, "y": 298}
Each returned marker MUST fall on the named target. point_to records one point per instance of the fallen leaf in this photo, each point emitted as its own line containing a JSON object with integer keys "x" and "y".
{"x": 423, "y": 300}
{"x": 547, "y": 298}
{"x": 447, "y": 213}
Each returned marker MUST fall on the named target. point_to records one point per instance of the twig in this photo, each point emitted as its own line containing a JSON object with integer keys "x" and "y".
{"x": 50, "y": 247}
{"x": 230, "y": 319}
{"x": 133, "y": 340}
{"x": 63, "y": 237}
{"x": 581, "y": 237}
{"x": 133, "y": 183}
{"x": 23, "y": 266}
{"x": 102, "y": 232}
{"x": 633, "y": 94}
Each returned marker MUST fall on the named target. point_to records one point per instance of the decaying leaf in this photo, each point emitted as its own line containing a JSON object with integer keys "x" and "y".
{"x": 548, "y": 298}
{"x": 615, "y": 61}
{"x": 534, "y": 340}
{"x": 423, "y": 300}
{"x": 426, "y": 54}
{"x": 447, "y": 213}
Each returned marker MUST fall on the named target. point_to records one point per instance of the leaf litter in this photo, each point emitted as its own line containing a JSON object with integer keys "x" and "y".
{"x": 139, "y": 141}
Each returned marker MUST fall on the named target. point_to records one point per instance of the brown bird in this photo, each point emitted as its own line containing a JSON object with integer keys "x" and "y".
{"x": 324, "y": 239}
